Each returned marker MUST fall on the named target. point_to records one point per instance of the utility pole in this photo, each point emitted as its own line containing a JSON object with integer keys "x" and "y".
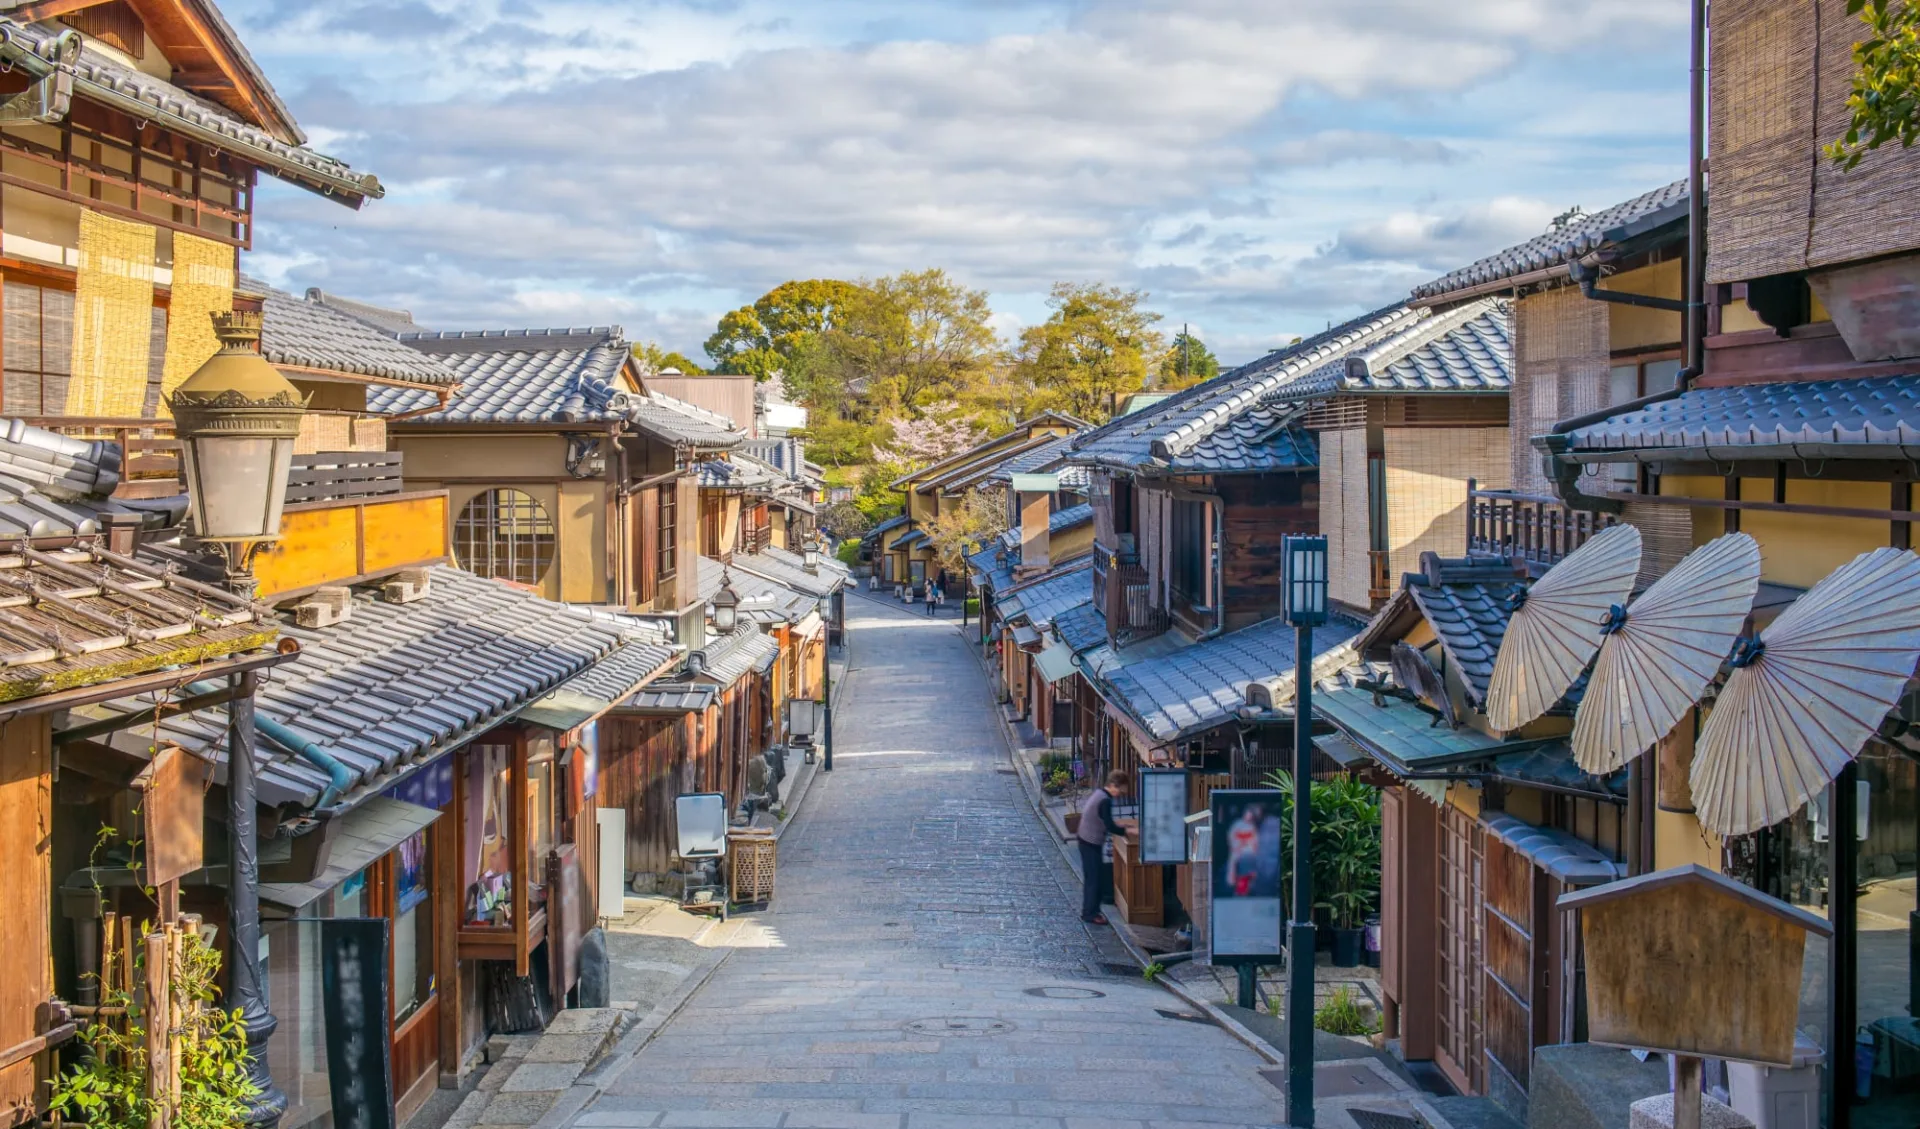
{"x": 826, "y": 702}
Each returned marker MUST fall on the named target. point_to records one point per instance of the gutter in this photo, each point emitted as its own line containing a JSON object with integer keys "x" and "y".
{"x": 1555, "y": 273}
{"x": 339, "y": 776}
{"x": 352, "y": 192}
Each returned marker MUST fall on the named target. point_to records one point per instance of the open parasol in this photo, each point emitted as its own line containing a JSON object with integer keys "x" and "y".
{"x": 1556, "y": 628}
{"x": 1804, "y": 698}
{"x": 1658, "y": 657}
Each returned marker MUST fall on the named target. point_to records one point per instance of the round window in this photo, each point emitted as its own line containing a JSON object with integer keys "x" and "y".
{"x": 505, "y": 534}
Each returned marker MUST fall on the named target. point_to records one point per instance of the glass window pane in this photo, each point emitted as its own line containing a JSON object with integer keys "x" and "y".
{"x": 487, "y": 822}
{"x": 1623, "y": 383}
{"x": 1888, "y": 835}
{"x": 1662, "y": 375}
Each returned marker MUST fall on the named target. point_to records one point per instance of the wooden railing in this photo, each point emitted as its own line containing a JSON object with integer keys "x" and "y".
{"x": 149, "y": 452}
{"x": 1131, "y": 614}
{"x": 1535, "y": 529}
{"x": 755, "y": 538}
{"x": 338, "y": 475}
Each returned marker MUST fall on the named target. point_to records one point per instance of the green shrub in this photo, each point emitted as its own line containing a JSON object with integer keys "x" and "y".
{"x": 1343, "y": 1015}
{"x": 848, "y": 553}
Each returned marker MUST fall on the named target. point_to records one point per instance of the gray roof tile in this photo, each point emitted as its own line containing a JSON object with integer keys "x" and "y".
{"x": 730, "y": 658}
{"x": 1562, "y": 245}
{"x": 1870, "y": 417}
{"x": 310, "y": 334}
{"x": 395, "y": 685}
{"x": 1037, "y": 601}
{"x": 1070, "y": 517}
{"x": 790, "y": 569}
{"x": 1195, "y": 688}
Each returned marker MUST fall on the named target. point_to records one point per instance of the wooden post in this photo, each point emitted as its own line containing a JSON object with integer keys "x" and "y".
{"x": 1686, "y": 1092}
{"x": 160, "y": 1025}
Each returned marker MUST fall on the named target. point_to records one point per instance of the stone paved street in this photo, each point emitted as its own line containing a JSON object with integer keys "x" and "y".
{"x": 922, "y": 966}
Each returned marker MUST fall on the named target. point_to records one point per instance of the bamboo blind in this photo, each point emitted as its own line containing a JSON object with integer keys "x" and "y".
{"x": 1561, "y": 354}
{"x": 1343, "y": 514}
{"x": 1666, "y": 535}
{"x": 202, "y": 286}
{"x": 1781, "y": 73}
{"x": 113, "y": 318}
{"x": 1427, "y": 472}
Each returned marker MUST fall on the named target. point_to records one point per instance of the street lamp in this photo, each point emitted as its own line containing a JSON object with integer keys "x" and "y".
{"x": 725, "y": 606}
{"x": 1303, "y": 598}
{"x": 810, "y": 556}
{"x": 237, "y": 419}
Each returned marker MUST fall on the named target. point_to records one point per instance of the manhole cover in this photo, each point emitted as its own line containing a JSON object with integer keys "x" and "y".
{"x": 959, "y": 1026}
{"x": 1374, "y": 1119}
{"x": 1339, "y": 1080}
{"x": 1065, "y": 993}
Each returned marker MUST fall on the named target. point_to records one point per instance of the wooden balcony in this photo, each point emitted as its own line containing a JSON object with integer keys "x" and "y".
{"x": 1121, "y": 591}
{"x": 1534, "y": 529}
{"x": 332, "y": 476}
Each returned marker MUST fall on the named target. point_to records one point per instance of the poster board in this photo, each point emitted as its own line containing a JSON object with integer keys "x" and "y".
{"x": 613, "y": 862}
{"x": 358, "y": 1013}
{"x": 1163, "y": 815}
{"x": 700, "y": 824}
{"x": 1243, "y": 914}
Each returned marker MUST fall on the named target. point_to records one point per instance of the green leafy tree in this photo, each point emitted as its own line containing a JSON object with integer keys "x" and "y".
{"x": 959, "y": 530}
{"x": 1885, "y": 102}
{"x": 916, "y": 337}
{"x": 654, "y": 357}
{"x": 759, "y": 338}
{"x": 1096, "y": 345}
{"x": 1187, "y": 362}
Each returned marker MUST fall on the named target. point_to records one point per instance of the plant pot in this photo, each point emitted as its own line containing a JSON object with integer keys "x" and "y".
{"x": 1073, "y": 823}
{"x": 1348, "y": 946}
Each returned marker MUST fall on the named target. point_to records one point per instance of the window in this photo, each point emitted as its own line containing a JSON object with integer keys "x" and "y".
{"x": 412, "y": 927}
{"x": 505, "y": 534}
{"x": 1630, "y": 380}
{"x": 669, "y": 531}
{"x": 1190, "y": 551}
{"x": 487, "y": 829}
{"x": 38, "y": 347}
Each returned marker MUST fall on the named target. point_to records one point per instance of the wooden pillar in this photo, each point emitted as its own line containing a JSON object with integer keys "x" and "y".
{"x": 26, "y": 929}
{"x": 449, "y": 903}
{"x": 518, "y": 839}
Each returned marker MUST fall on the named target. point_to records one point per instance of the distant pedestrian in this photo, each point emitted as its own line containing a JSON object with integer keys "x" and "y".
{"x": 1096, "y": 824}
{"x": 933, "y": 597}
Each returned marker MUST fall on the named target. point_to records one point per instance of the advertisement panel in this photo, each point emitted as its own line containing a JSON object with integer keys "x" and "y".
{"x": 1244, "y": 910}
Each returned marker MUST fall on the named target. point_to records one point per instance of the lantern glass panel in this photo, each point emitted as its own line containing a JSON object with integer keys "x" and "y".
{"x": 238, "y": 485}
{"x": 725, "y": 616}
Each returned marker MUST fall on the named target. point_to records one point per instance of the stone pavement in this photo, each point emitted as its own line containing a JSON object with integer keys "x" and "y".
{"x": 922, "y": 966}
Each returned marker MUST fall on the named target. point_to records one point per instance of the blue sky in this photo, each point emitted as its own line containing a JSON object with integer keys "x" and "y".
{"x": 1260, "y": 167}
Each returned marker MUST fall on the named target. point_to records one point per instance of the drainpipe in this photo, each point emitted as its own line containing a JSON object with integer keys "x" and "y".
{"x": 1588, "y": 275}
{"x": 1564, "y": 471}
{"x": 339, "y": 776}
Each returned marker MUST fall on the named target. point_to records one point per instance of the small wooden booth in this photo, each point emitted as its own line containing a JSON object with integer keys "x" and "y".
{"x": 1693, "y": 964}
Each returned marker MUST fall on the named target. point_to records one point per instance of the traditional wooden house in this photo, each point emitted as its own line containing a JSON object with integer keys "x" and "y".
{"x": 907, "y": 555}
{"x": 565, "y": 473}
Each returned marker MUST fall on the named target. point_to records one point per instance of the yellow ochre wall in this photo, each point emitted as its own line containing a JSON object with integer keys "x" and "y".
{"x": 1634, "y": 327}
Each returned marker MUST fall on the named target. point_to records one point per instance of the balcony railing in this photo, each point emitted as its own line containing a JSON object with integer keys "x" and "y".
{"x": 332, "y": 476}
{"x": 1128, "y": 602}
{"x": 755, "y": 538}
{"x": 1535, "y": 529}
{"x": 149, "y": 452}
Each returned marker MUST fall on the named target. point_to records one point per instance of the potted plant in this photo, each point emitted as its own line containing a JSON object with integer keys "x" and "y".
{"x": 1347, "y": 869}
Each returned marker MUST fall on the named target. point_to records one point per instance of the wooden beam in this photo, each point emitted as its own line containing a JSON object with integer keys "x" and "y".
{"x": 49, "y": 9}
{"x": 1773, "y": 507}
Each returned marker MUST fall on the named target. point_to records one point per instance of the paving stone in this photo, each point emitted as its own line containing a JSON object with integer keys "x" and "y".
{"x": 618, "y": 1119}
{"x": 517, "y": 1108}
{"x": 535, "y": 1076}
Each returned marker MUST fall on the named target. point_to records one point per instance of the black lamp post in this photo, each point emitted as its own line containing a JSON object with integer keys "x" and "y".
{"x": 237, "y": 419}
{"x": 1303, "y": 587}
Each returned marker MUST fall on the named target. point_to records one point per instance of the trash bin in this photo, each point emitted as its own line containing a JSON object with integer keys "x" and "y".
{"x": 1780, "y": 1097}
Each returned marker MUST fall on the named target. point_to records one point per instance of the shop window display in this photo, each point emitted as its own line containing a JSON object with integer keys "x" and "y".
{"x": 487, "y": 865}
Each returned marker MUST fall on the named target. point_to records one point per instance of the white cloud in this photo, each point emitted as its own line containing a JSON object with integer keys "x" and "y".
{"x": 1248, "y": 161}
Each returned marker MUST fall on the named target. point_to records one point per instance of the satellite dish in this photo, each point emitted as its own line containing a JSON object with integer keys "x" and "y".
{"x": 1658, "y": 658}
{"x": 1416, "y": 676}
{"x": 1556, "y": 627}
{"x": 1804, "y": 698}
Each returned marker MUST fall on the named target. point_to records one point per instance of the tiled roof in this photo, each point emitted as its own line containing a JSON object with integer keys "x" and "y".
{"x": 549, "y": 376}
{"x": 1070, "y": 517}
{"x": 720, "y": 474}
{"x": 1470, "y": 619}
{"x": 1867, "y": 418}
{"x": 641, "y": 658}
{"x": 521, "y": 376}
{"x": 672, "y": 697}
{"x": 309, "y": 334}
{"x": 387, "y": 320}
{"x": 1562, "y": 245}
{"x": 1467, "y": 349}
{"x": 985, "y": 454}
{"x": 761, "y": 600}
{"x": 1198, "y": 687}
{"x": 1081, "y": 628}
{"x": 993, "y": 567}
{"x": 894, "y": 522}
{"x": 1038, "y": 601}
{"x": 730, "y": 658}
{"x": 52, "y": 485}
{"x": 395, "y": 685}
{"x": 1032, "y": 460}
{"x": 785, "y": 454}
{"x": 790, "y": 569}
{"x": 1180, "y": 423}
{"x": 100, "y": 78}
{"x": 910, "y": 540}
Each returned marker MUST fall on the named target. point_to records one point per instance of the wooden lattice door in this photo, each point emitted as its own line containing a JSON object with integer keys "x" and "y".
{"x": 1460, "y": 1037}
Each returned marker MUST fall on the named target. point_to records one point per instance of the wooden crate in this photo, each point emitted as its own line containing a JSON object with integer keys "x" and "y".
{"x": 753, "y": 855}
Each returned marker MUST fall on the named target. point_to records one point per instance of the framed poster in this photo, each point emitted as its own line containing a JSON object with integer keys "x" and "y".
{"x": 1163, "y": 815}
{"x": 1244, "y": 911}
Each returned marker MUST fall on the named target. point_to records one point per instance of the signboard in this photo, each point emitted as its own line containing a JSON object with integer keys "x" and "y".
{"x": 700, "y": 824}
{"x": 174, "y": 811}
{"x": 353, "y": 981}
{"x": 612, "y": 848}
{"x": 1244, "y": 911}
{"x": 1163, "y": 815}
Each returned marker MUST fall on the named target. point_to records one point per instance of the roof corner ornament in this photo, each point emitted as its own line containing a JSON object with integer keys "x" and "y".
{"x": 49, "y": 97}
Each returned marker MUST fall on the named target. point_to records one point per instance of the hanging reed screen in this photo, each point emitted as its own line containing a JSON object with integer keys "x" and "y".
{"x": 202, "y": 286}
{"x": 113, "y": 318}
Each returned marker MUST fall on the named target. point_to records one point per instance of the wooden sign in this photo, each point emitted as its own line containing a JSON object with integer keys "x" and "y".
{"x": 353, "y": 981}
{"x": 173, "y": 811}
{"x": 1692, "y": 963}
